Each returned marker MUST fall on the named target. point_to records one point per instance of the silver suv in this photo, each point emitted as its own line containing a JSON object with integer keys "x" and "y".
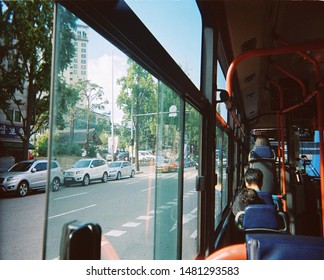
{"x": 30, "y": 175}
{"x": 86, "y": 170}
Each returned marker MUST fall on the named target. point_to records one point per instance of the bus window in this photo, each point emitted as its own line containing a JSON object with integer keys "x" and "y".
{"x": 221, "y": 191}
{"x": 190, "y": 198}
{"x": 183, "y": 22}
{"x": 111, "y": 104}
{"x": 169, "y": 141}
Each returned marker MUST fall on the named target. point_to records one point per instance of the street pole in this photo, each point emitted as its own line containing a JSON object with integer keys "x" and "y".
{"x": 112, "y": 105}
{"x": 132, "y": 128}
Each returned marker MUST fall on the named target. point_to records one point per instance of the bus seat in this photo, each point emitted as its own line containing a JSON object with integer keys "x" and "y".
{"x": 267, "y": 197}
{"x": 268, "y": 168}
{"x": 232, "y": 252}
{"x": 261, "y": 217}
{"x": 284, "y": 247}
{"x": 261, "y": 152}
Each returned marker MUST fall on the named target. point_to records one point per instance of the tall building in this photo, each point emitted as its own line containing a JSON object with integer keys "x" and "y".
{"x": 78, "y": 68}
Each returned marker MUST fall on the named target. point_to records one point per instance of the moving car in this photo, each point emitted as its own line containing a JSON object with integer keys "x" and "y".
{"x": 30, "y": 175}
{"x": 120, "y": 169}
{"x": 86, "y": 170}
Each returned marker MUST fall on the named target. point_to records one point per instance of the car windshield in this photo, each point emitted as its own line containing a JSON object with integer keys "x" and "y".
{"x": 21, "y": 166}
{"x": 82, "y": 163}
{"x": 115, "y": 164}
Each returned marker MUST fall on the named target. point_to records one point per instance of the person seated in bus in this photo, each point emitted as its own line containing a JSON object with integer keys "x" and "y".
{"x": 246, "y": 197}
{"x": 253, "y": 179}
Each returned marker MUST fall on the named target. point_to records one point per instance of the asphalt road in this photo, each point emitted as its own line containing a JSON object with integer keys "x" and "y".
{"x": 126, "y": 210}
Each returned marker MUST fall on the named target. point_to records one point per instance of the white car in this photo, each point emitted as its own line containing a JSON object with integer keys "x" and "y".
{"x": 86, "y": 170}
{"x": 30, "y": 175}
{"x": 121, "y": 169}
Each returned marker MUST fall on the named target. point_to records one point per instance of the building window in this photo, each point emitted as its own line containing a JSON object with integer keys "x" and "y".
{"x": 83, "y": 56}
{"x": 14, "y": 115}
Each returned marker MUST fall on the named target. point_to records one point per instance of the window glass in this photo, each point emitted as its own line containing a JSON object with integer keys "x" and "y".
{"x": 221, "y": 191}
{"x": 190, "y": 195}
{"x": 119, "y": 107}
{"x": 182, "y": 21}
{"x": 221, "y": 84}
{"x": 168, "y": 159}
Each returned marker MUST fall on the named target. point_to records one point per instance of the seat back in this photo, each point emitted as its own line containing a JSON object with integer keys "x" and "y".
{"x": 261, "y": 152}
{"x": 284, "y": 247}
{"x": 259, "y": 216}
{"x": 268, "y": 168}
{"x": 262, "y": 217}
{"x": 267, "y": 197}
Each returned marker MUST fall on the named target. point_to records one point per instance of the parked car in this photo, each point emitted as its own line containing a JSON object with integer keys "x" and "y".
{"x": 120, "y": 169}
{"x": 123, "y": 156}
{"x": 29, "y": 175}
{"x": 105, "y": 155}
{"x": 167, "y": 165}
{"x": 86, "y": 170}
{"x": 145, "y": 156}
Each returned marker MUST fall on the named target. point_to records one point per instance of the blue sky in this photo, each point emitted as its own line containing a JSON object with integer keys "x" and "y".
{"x": 175, "y": 23}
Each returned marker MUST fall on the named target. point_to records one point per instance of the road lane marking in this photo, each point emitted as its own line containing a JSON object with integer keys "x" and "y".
{"x": 72, "y": 211}
{"x": 151, "y": 188}
{"x": 115, "y": 233}
{"x": 131, "y": 224}
{"x": 68, "y": 196}
{"x": 144, "y": 217}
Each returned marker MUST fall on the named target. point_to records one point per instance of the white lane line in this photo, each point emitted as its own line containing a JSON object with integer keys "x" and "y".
{"x": 72, "y": 195}
{"x": 144, "y": 217}
{"x": 72, "y": 211}
{"x": 144, "y": 190}
{"x": 115, "y": 233}
{"x": 131, "y": 224}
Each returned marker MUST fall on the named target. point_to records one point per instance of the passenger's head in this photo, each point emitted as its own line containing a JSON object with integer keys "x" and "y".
{"x": 245, "y": 198}
{"x": 253, "y": 178}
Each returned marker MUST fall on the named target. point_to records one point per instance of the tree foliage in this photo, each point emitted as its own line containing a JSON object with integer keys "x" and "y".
{"x": 138, "y": 95}
{"x": 25, "y": 61}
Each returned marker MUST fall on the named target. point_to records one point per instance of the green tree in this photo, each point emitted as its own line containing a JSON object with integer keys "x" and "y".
{"x": 138, "y": 95}
{"x": 91, "y": 99}
{"x": 25, "y": 65}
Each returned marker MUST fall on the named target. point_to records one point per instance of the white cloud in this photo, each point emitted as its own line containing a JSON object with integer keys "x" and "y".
{"x": 100, "y": 72}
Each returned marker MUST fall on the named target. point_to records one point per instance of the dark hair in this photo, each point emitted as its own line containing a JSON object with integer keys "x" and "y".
{"x": 254, "y": 175}
{"x": 245, "y": 198}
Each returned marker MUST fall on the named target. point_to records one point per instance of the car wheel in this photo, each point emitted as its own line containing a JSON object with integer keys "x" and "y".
{"x": 118, "y": 176}
{"x": 132, "y": 174}
{"x": 86, "y": 180}
{"x": 104, "y": 177}
{"x": 55, "y": 184}
{"x": 22, "y": 188}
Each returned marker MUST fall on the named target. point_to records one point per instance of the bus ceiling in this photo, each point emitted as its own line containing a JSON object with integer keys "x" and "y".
{"x": 273, "y": 54}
